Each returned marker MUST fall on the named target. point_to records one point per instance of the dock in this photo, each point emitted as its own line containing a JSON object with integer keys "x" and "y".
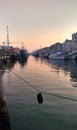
{"x": 4, "y": 115}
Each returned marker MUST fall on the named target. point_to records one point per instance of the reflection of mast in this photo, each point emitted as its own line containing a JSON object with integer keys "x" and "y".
{"x": 4, "y": 115}
{"x": 7, "y": 36}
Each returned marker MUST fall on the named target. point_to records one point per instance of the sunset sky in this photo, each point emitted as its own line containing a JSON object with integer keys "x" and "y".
{"x": 38, "y": 22}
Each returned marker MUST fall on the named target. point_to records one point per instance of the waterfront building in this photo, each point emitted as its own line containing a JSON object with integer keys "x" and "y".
{"x": 74, "y": 42}
{"x": 67, "y": 45}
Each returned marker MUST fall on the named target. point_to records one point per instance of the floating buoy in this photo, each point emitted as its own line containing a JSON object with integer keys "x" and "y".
{"x": 39, "y": 98}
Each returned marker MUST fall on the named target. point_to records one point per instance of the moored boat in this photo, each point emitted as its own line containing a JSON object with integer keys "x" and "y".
{"x": 23, "y": 54}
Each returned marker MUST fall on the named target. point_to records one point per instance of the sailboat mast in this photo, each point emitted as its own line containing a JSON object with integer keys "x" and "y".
{"x": 7, "y": 36}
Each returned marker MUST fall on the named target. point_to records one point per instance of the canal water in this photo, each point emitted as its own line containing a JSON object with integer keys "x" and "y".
{"x": 57, "y": 82}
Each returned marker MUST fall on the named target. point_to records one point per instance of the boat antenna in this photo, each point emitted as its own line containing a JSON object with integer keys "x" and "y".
{"x": 7, "y": 35}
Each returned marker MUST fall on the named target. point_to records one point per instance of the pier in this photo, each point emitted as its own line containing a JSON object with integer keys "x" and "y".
{"x": 4, "y": 115}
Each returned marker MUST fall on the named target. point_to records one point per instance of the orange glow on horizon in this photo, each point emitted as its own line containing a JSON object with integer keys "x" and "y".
{"x": 38, "y": 38}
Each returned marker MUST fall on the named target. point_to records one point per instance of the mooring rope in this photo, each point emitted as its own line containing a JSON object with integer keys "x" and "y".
{"x": 42, "y": 92}
{"x": 59, "y": 96}
{"x": 26, "y": 81}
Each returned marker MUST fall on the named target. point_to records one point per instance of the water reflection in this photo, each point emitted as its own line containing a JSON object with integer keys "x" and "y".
{"x": 22, "y": 62}
{"x": 67, "y": 66}
{"x": 10, "y": 65}
{"x": 4, "y": 115}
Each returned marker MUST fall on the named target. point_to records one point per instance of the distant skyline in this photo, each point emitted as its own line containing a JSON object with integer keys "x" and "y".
{"x": 38, "y": 22}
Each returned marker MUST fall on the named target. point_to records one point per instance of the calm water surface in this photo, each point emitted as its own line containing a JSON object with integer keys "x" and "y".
{"x": 57, "y": 81}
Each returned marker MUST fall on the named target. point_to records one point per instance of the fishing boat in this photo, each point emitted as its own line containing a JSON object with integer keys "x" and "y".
{"x": 57, "y": 56}
{"x": 23, "y": 54}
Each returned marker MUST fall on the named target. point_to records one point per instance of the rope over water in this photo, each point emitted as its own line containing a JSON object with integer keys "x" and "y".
{"x": 42, "y": 92}
{"x": 26, "y": 81}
